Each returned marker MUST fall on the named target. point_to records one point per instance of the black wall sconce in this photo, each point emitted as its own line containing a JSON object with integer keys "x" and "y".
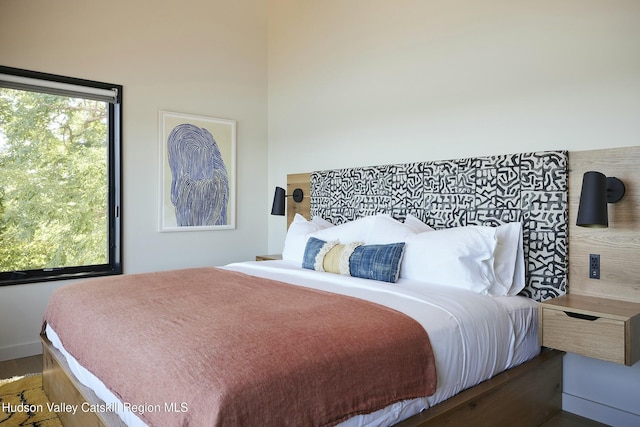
{"x": 280, "y": 195}
{"x": 597, "y": 191}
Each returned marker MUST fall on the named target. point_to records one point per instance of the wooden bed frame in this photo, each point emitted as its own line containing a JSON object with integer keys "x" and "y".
{"x": 527, "y": 396}
{"x": 62, "y": 387}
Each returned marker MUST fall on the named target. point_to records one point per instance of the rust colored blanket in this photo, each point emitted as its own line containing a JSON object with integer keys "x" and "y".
{"x": 210, "y": 347}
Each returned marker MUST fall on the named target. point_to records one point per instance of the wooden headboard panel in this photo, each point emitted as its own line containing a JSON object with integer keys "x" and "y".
{"x": 618, "y": 245}
{"x": 301, "y": 181}
{"x": 526, "y": 187}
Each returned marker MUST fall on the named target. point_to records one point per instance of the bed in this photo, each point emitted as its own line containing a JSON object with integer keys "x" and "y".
{"x": 480, "y": 348}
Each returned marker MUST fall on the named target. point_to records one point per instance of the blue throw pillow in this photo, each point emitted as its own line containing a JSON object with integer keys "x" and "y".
{"x": 311, "y": 251}
{"x": 376, "y": 262}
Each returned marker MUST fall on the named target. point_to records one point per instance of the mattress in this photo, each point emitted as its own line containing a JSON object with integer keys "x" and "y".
{"x": 474, "y": 337}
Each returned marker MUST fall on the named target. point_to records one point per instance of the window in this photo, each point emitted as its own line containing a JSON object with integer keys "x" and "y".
{"x": 59, "y": 177}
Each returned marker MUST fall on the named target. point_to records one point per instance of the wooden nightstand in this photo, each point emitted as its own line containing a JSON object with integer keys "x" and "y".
{"x": 595, "y": 327}
{"x": 268, "y": 257}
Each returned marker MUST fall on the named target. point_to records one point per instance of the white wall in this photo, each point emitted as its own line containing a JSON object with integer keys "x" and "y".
{"x": 374, "y": 82}
{"x": 604, "y": 391}
{"x": 365, "y": 82}
{"x": 204, "y": 57}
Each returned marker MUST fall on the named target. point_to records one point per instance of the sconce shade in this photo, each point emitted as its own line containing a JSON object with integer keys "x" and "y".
{"x": 592, "y": 211}
{"x": 280, "y": 195}
{"x": 597, "y": 191}
{"x": 278, "y": 202}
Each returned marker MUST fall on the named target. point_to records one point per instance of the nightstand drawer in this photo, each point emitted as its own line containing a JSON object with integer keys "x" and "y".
{"x": 589, "y": 335}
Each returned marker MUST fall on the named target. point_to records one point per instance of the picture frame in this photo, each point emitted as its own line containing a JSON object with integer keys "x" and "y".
{"x": 197, "y": 172}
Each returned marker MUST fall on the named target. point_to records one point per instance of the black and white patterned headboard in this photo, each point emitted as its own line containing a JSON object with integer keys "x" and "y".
{"x": 527, "y": 187}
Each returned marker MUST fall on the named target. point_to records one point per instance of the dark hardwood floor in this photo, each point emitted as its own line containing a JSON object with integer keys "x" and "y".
{"x": 33, "y": 364}
{"x": 26, "y": 365}
{"x": 567, "y": 419}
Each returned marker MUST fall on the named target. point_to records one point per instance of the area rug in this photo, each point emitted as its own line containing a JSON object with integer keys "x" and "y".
{"x": 24, "y": 403}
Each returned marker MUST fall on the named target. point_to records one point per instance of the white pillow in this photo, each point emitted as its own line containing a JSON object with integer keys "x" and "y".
{"x": 505, "y": 258}
{"x": 417, "y": 225}
{"x": 297, "y": 236}
{"x": 519, "y": 282}
{"x": 461, "y": 257}
{"x": 323, "y": 223}
{"x": 508, "y": 256}
{"x": 385, "y": 230}
{"x": 352, "y": 231}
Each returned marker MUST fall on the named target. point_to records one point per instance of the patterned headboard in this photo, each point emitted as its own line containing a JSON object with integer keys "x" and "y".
{"x": 527, "y": 187}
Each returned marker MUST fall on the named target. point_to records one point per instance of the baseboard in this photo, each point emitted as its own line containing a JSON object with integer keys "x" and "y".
{"x": 599, "y": 412}
{"x": 20, "y": 350}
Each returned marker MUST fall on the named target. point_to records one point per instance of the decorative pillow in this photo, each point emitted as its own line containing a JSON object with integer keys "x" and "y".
{"x": 297, "y": 235}
{"x": 461, "y": 257}
{"x": 376, "y": 262}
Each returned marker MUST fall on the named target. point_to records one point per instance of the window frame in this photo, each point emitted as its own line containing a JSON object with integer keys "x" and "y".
{"x": 63, "y": 85}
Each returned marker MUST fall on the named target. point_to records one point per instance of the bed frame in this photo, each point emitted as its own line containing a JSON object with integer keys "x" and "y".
{"x": 62, "y": 387}
{"x": 526, "y": 395}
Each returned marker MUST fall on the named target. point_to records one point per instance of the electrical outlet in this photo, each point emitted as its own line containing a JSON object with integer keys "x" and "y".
{"x": 594, "y": 266}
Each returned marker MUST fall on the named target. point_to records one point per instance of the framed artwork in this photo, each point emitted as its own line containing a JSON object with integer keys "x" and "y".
{"x": 197, "y": 172}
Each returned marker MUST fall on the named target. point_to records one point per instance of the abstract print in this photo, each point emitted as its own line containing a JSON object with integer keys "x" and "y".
{"x": 199, "y": 184}
{"x": 530, "y": 188}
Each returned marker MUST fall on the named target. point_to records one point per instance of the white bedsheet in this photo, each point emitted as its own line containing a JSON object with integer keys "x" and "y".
{"x": 474, "y": 337}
